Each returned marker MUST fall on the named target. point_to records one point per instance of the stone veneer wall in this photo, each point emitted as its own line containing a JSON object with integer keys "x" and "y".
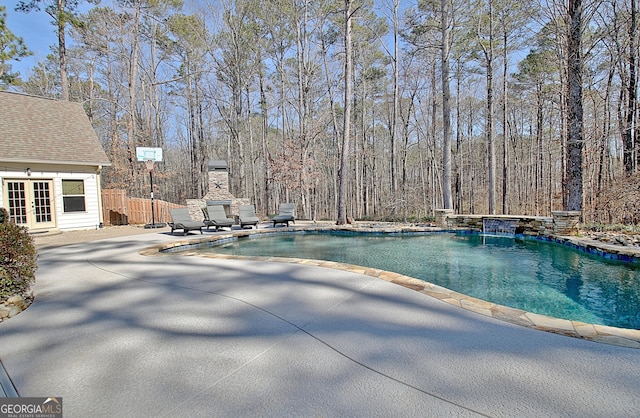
{"x": 566, "y": 222}
{"x": 561, "y": 223}
{"x": 218, "y": 190}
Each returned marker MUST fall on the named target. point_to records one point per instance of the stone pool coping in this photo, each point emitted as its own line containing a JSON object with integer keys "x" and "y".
{"x": 592, "y": 332}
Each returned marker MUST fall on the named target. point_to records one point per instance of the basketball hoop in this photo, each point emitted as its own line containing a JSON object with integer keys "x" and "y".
{"x": 149, "y": 156}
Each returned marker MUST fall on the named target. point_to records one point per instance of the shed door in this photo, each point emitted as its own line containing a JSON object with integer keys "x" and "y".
{"x": 30, "y": 203}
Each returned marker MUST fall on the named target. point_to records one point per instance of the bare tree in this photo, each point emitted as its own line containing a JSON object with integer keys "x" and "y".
{"x": 511, "y": 17}
{"x": 629, "y": 133}
{"x": 573, "y": 186}
{"x": 346, "y": 130}
{"x": 285, "y": 132}
{"x": 446, "y": 106}
{"x": 484, "y": 32}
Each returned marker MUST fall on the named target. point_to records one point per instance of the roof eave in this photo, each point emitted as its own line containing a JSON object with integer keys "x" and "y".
{"x": 56, "y": 162}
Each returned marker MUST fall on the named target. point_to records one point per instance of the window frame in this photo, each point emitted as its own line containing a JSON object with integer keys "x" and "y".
{"x": 73, "y": 202}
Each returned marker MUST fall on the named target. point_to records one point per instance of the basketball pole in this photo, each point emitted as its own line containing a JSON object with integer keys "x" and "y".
{"x": 153, "y": 224}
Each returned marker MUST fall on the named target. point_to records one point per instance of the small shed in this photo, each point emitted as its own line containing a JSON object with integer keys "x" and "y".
{"x": 50, "y": 164}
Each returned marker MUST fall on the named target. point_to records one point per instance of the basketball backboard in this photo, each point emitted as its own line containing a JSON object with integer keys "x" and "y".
{"x": 146, "y": 154}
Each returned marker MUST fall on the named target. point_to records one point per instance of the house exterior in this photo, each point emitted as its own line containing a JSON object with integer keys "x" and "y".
{"x": 50, "y": 164}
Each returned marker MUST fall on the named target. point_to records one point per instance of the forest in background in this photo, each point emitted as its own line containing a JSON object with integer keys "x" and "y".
{"x": 261, "y": 84}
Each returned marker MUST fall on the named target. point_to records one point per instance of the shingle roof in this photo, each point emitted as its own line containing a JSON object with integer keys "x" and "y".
{"x": 40, "y": 130}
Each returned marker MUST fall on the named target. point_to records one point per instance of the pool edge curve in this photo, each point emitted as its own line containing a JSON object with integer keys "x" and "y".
{"x": 592, "y": 332}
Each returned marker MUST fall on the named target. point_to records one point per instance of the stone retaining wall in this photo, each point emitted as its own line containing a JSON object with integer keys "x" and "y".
{"x": 13, "y": 306}
{"x": 561, "y": 223}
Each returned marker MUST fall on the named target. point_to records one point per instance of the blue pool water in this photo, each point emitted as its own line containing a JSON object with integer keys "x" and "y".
{"x": 535, "y": 276}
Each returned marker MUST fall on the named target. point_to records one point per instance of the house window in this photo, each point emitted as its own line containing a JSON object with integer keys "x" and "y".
{"x": 73, "y": 195}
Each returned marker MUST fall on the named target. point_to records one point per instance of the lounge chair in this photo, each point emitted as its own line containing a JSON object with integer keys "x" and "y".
{"x": 287, "y": 214}
{"x": 180, "y": 219}
{"x": 247, "y": 215}
{"x": 216, "y": 216}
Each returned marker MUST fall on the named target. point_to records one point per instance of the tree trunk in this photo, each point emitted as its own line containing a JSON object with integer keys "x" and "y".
{"x": 446, "y": 109}
{"x": 266, "y": 203}
{"x": 460, "y": 169}
{"x": 487, "y": 50}
{"x": 573, "y": 191}
{"x": 539, "y": 148}
{"x": 505, "y": 155}
{"x": 62, "y": 51}
{"x": 132, "y": 121}
{"x": 394, "y": 120}
{"x": 344, "y": 155}
{"x": 632, "y": 93}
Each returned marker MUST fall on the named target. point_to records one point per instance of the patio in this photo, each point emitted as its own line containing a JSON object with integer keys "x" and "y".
{"x": 115, "y": 333}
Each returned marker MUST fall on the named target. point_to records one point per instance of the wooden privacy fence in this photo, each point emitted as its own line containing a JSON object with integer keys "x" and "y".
{"x": 118, "y": 209}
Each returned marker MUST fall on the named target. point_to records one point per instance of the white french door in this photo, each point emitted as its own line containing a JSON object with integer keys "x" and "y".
{"x": 30, "y": 203}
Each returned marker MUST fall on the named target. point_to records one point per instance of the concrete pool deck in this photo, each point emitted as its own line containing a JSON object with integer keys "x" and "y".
{"x": 117, "y": 333}
{"x": 600, "y": 333}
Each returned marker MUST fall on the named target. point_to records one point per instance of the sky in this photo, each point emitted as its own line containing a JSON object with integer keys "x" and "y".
{"x": 36, "y": 31}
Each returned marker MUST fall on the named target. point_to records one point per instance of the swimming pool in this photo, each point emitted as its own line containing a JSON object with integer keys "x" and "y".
{"x": 535, "y": 276}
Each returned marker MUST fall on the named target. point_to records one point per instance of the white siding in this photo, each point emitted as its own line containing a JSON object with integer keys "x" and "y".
{"x": 88, "y": 219}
